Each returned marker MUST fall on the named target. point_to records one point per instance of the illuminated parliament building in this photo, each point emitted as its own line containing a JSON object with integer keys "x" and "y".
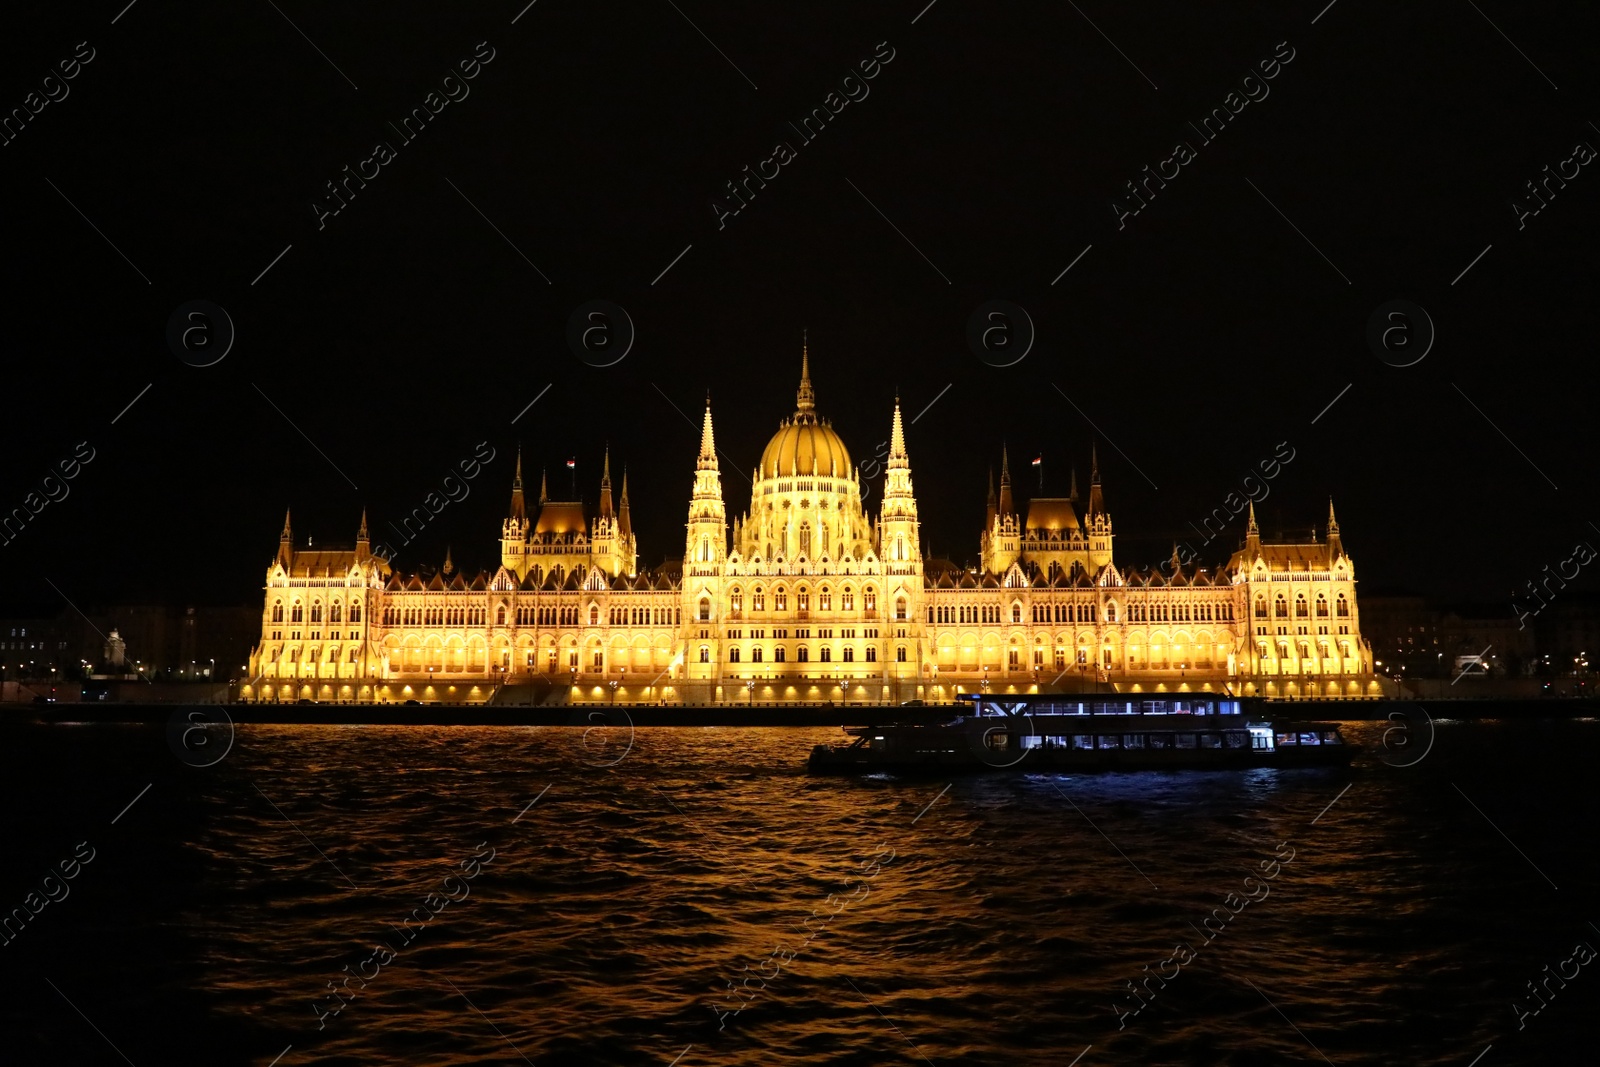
{"x": 807, "y": 596}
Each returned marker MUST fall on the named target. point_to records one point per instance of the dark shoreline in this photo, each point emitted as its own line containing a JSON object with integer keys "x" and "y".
{"x": 716, "y": 714}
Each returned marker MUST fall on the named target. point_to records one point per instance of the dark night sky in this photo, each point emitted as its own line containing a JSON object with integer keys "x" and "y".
{"x": 407, "y": 330}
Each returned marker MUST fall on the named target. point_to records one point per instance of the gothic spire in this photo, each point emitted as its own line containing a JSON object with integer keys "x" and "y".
{"x": 605, "y": 485}
{"x": 544, "y": 492}
{"x": 708, "y": 441}
{"x": 897, "y": 435}
{"x": 519, "y": 507}
{"x": 1073, "y": 495}
{"x": 286, "y": 542}
{"x": 624, "y": 520}
{"x": 1097, "y": 503}
{"x": 361, "y": 533}
{"x": 1005, "y": 504}
{"x": 805, "y": 399}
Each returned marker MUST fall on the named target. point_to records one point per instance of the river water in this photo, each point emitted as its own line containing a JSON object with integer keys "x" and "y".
{"x": 691, "y": 896}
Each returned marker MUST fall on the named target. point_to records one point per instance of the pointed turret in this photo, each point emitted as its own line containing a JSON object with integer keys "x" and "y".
{"x": 363, "y": 539}
{"x": 708, "y": 440}
{"x": 624, "y": 519}
{"x": 544, "y": 485}
{"x": 992, "y": 509}
{"x": 1097, "y": 503}
{"x": 286, "y": 542}
{"x": 706, "y": 543}
{"x": 519, "y": 507}
{"x": 1006, "y": 505}
{"x": 901, "y": 532}
{"x": 605, "y": 486}
{"x": 897, "y": 439}
{"x": 1335, "y": 544}
{"x": 1252, "y": 534}
{"x": 1073, "y": 495}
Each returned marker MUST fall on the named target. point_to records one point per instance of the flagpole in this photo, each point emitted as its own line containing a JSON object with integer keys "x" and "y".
{"x": 573, "y": 467}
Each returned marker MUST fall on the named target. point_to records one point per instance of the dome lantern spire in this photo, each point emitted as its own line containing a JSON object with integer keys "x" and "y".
{"x": 805, "y": 399}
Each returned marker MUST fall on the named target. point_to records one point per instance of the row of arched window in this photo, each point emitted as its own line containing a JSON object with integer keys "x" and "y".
{"x": 297, "y": 611}
{"x": 1280, "y": 606}
{"x": 802, "y": 654}
{"x": 802, "y": 599}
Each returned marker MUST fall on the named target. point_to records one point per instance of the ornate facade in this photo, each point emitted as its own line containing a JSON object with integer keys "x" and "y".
{"x": 807, "y": 596}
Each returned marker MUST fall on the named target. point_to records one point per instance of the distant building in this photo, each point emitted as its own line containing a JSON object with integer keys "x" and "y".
{"x": 807, "y": 596}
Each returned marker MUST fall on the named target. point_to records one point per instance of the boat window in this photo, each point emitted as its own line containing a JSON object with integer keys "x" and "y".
{"x": 1108, "y": 741}
{"x": 1331, "y": 737}
{"x": 1310, "y": 739}
{"x": 1160, "y": 740}
{"x": 1202, "y": 708}
{"x": 1082, "y": 741}
{"x": 1133, "y": 740}
{"x": 1183, "y": 741}
{"x": 1210, "y": 740}
{"x": 1286, "y": 739}
{"x": 1153, "y": 707}
{"x": 1236, "y": 739}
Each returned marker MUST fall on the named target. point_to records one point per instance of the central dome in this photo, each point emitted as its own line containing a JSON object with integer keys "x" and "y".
{"x": 805, "y": 442}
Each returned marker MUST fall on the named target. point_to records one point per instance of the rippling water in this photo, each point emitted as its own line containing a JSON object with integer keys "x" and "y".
{"x": 1000, "y": 924}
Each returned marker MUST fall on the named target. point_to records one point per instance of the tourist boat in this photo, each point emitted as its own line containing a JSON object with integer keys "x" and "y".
{"x": 1104, "y": 731}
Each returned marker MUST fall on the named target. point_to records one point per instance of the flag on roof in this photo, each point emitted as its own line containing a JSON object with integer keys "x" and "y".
{"x": 1037, "y": 461}
{"x": 572, "y": 464}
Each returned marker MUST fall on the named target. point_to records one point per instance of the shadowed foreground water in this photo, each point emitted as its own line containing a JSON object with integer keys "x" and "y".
{"x": 998, "y": 921}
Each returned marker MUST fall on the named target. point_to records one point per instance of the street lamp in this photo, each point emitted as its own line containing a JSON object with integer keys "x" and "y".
{"x": 750, "y": 693}
{"x": 985, "y": 679}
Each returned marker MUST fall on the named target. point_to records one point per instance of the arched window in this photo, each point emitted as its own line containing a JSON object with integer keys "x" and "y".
{"x": 849, "y": 654}
{"x": 705, "y": 609}
{"x": 1261, "y": 605}
{"x": 805, "y": 539}
{"x": 900, "y": 653}
{"x": 705, "y": 653}
{"x": 733, "y": 654}
{"x": 1016, "y": 612}
{"x": 316, "y": 612}
{"x": 802, "y": 654}
{"x": 758, "y": 600}
{"x": 899, "y": 548}
{"x": 900, "y": 608}
{"x": 872, "y": 655}
{"x": 297, "y": 613}
{"x": 848, "y": 600}
{"x": 824, "y": 539}
{"x": 1111, "y": 613}
{"x": 777, "y": 654}
{"x": 500, "y": 615}
{"x": 1342, "y": 607}
{"x": 705, "y": 549}
{"x": 869, "y": 599}
{"x": 825, "y": 599}
{"x": 335, "y": 612}
{"x": 780, "y": 600}
{"x": 1322, "y": 606}
{"x": 826, "y": 655}
{"x": 277, "y": 611}
{"x": 755, "y": 654}
{"x": 802, "y": 599}
{"x": 1280, "y": 608}
{"x": 1300, "y": 610}
{"x": 594, "y": 615}
{"x": 736, "y": 601}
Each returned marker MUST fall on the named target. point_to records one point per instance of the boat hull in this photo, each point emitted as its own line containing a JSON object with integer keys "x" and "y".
{"x": 838, "y": 760}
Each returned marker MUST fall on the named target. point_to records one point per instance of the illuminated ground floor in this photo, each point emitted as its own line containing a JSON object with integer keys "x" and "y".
{"x": 573, "y": 688}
